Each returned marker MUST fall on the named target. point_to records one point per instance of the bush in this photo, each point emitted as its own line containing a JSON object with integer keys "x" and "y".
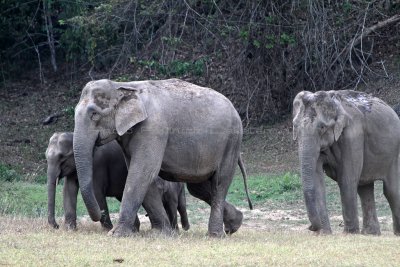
{"x": 7, "y": 174}
{"x": 259, "y": 55}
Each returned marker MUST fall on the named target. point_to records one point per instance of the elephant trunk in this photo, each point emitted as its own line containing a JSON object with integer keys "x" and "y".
{"x": 52, "y": 174}
{"x": 308, "y": 154}
{"x": 84, "y": 143}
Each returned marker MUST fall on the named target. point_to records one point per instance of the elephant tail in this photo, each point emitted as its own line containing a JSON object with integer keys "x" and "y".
{"x": 243, "y": 170}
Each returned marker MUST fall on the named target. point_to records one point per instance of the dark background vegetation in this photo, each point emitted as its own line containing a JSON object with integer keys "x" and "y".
{"x": 258, "y": 53}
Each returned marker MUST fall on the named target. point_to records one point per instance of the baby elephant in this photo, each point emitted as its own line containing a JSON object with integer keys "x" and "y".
{"x": 161, "y": 203}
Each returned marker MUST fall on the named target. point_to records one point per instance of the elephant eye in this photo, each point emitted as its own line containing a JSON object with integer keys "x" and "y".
{"x": 322, "y": 128}
{"x": 95, "y": 116}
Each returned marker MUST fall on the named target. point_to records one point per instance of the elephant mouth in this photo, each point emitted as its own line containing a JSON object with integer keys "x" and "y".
{"x": 102, "y": 141}
{"x": 324, "y": 148}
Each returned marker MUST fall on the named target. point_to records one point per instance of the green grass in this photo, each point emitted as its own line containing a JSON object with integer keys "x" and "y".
{"x": 286, "y": 187}
{"x": 30, "y": 200}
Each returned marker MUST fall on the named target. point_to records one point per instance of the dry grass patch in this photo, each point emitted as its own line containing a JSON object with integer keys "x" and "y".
{"x": 31, "y": 243}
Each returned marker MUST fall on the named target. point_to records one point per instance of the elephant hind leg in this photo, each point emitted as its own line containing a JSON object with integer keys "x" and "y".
{"x": 370, "y": 219}
{"x": 232, "y": 217}
{"x": 70, "y": 193}
{"x": 392, "y": 194}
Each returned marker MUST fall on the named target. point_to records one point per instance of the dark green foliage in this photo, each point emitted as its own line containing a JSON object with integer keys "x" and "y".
{"x": 259, "y": 53}
{"x": 7, "y": 174}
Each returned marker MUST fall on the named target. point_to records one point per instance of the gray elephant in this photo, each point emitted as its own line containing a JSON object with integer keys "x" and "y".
{"x": 355, "y": 139}
{"x": 176, "y": 129}
{"x": 110, "y": 173}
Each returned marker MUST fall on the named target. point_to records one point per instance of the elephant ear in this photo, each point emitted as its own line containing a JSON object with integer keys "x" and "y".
{"x": 130, "y": 109}
{"x": 65, "y": 144}
{"x": 341, "y": 121}
{"x": 298, "y": 106}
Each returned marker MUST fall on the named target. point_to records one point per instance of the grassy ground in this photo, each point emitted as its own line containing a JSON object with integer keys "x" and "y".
{"x": 30, "y": 243}
{"x": 274, "y": 233}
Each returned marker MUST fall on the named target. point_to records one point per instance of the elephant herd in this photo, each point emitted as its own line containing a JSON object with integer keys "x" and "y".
{"x": 142, "y": 141}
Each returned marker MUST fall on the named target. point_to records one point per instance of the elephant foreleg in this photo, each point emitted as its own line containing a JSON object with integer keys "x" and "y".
{"x": 144, "y": 166}
{"x": 154, "y": 207}
{"x": 321, "y": 196}
{"x": 348, "y": 195}
{"x": 349, "y": 175}
{"x": 370, "y": 219}
{"x": 70, "y": 193}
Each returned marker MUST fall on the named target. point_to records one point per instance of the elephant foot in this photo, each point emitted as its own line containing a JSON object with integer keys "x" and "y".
{"x": 372, "y": 230}
{"x": 232, "y": 222}
{"x": 351, "y": 231}
{"x": 54, "y": 225}
{"x": 313, "y": 228}
{"x": 186, "y": 227}
{"x": 320, "y": 231}
{"x": 70, "y": 226}
{"x": 121, "y": 230}
{"x": 216, "y": 234}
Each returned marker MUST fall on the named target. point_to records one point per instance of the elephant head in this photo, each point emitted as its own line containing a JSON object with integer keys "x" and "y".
{"x": 105, "y": 110}
{"x": 318, "y": 121}
{"x": 60, "y": 163}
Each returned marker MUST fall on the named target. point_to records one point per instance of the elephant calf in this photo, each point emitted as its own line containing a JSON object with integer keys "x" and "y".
{"x": 110, "y": 174}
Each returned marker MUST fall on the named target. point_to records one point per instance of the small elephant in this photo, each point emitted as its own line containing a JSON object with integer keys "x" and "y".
{"x": 171, "y": 128}
{"x": 173, "y": 198}
{"x": 355, "y": 139}
{"x": 110, "y": 173}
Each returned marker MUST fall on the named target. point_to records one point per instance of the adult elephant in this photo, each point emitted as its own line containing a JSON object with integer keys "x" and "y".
{"x": 355, "y": 139}
{"x": 110, "y": 171}
{"x": 176, "y": 129}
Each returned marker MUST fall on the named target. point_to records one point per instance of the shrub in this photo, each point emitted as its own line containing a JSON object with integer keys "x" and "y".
{"x": 7, "y": 174}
